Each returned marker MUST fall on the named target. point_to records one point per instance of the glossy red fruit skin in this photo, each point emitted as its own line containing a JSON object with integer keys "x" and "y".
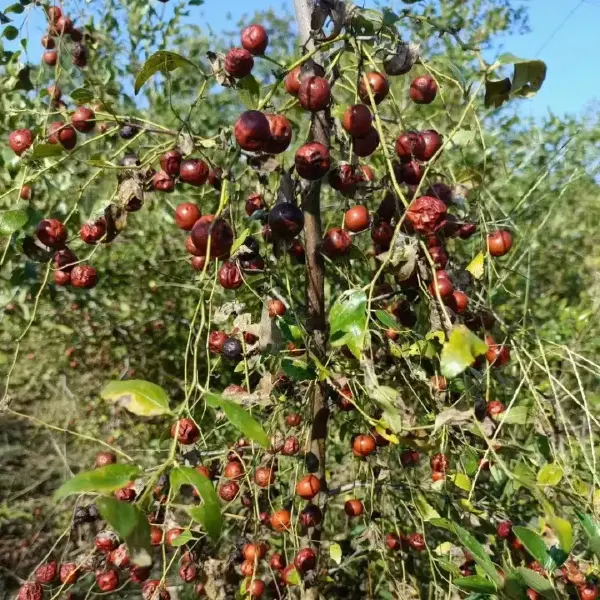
{"x": 588, "y": 592}
{"x": 252, "y": 130}
{"x": 382, "y": 233}
{"x": 432, "y": 142}
{"x": 186, "y": 215}
{"x": 20, "y": 140}
{"x": 276, "y": 308}
{"x": 308, "y": 487}
{"x": 105, "y": 541}
{"x": 186, "y": 431}
{"x": 198, "y": 263}
{"x": 439, "y": 462}
{"x": 191, "y": 248}
{"x": 291, "y": 446}
{"x": 230, "y": 276}
{"x": 277, "y": 562}
{"x": 108, "y": 580}
{"x": 443, "y": 284}
{"x": 68, "y": 573}
{"x": 354, "y": 508}
{"x": 379, "y": 87}
{"x": 31, "y": 590}
{"x": 467, "y": 230}
{"x": 410, "y": 145}
{"x": 216, "y": 339}
{"x": 264, "y": 476}
{"x": 314, "y": 93}
{"x": 357, "y": 120}
{"x": 286, "y": 221}
{"x": 48, "y": 42}
{"x": 363, "y": 445}
{"x": 423, "y": 90}
{"x": 47, "y": 572}
{"x": 238, "y": 62}
{"x": 367, "y": 144}
{"x": 426, "y": 214}
{"x": 497, "y": 354}
{"x": 410, "y": 173}
{"x": 336, "y": 243}
{"x": 280, "y": 134}
{"x": 25, "y": 193}
{"x": 312, "y": 161}
{"x": 356, "y": 218}
{"x": 52, "y": 233}
{"x": 281, "y": 520}
{"x": 292, "y": 81}
{"x": 83, "y": 119}
{"x": 193, "y": 171}
{"x": 439, "y": 256}
{"x": 311, "y": 516}
{"x": 305, "y": 560}
{"x": 220, "y": 233}
{"x": 392, "y": 541}
{"x": 229, "y": 491}
{"x": 59, "y": 132}
{"x": 494, "y": 408}
{"x": 289, "y": 575}
{"x": 459, "y": 301}
{"x": 84, "y": 276}
{"x": 255, "y": 39}
{"x": 64, "y": 25}
{"x": 416, "y": 541}
{"x": 170, "y": 162}
{"x": 50, "y": 57}
{"x": 499, "y": 242}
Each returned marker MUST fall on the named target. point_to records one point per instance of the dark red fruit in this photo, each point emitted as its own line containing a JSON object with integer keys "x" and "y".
{"x": 336, "y": 243}
{"x": 20, "y": 140}
{"x": 229, "y": 491}
{"x": 247, "y": 568}
{"x": 312, "y": 161}
{"x": 311, "y": 516}
{"x": 379, "y": 87}
{"x": 193, "y": 171}
{"x": 417, "y": 541}
{"x": 281, "y": 520}
{"x": 354, "y": 508}
{"x": 59, "y": 132}
{"x": 291, "y": 446}
{"x": 277, "y": 562}
{"x": 286, "y": 220}
{"x": 255, "y": 39}
{"x": 357, "y": 120}
{"x": 161, "y": 182}
{"x": 308, "y": 487}
{"x": 79, "y": 55}
{"x": 466, "y": 231}
{"x": 276, "y": 308}
{"x": 76, "y": 35}
{"x": 170, "y": 162}
{"x": 280, "y": 134}
{"x": 191, "y": 248}
{"x": 84, "y": 276}
{"x": 52, "y": 233}
{"x": 25, "y": 193}
{"x": 410, "y": 173}
{"x": 382, "y": 233}
{"x": 439, "y": 462}
{"x": 292, "y": 81}
{"x": 185, "y": 430}
{"x": 438, "y": 383}
{"x": 305, "y": 560}
{"x": 198, "y": 263}
{"x": 439, "y": 256}
{"x": 426, "y": 214}
{"x": 64, "y": 25}
{"x": 47, "y": 572}
{"x": 314, "y": 93}
{"x": 230, "y": 276}
{"x": 356, "y": 218}
{"x": 432, "y": 142}
{"x": 186, "y": 215}
{"x": 588, "y": 592}
{"x": 31, "y": 590}
{"x": 367, "y": 144}
{"x": 219, "y": 232}
{"x": 363, "y": 445}
{"x": 83, "y": 119}
{"x": 409, "y": 458}
{"x": 50, "y": 57}
{"x": 105, "y": 541}
{"x": 152, "y": 590}
{"x": 139, "y": 574}
{"x": 459, "y": 301}
{"x": 256, "y": 588}
{"x": 62, "y": 278}
{"x": 443, "y": 284}
{"x": 264, "y": 476}
{"x": 497, "y": 354}
{"x": 216, "y": 339}
{"x": 107, "y": 580}
{"x": 499, "y": 242}
{"x": 423, "y": 90}
{"x": 392, "y": 541}
{"x": 252, "y": 130}
{"x": 410, "y": 145}
{"x": 172, "y": 534}
{"x": 293, "y": 420}
{"x": 104, "y": 458}
{"x": 48, "y": 42}
{"x": 254, "y": 203}
{"x": 238, "y": 62}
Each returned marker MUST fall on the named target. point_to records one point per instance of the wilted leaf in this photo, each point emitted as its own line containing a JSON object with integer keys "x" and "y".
{"x": 162, "y": 61}
{"x": 102, "y": 480}
{"x": 139, "y": 397}
{"x": 454, "y": 416}
{"x": 460, "y": 351}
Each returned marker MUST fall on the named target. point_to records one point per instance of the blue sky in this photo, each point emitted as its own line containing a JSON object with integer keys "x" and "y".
{"x": 564, "y": 33}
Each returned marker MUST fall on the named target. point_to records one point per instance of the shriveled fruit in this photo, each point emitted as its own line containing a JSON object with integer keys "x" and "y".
{"x": 94, "y": 231}
{"x": 52, "y": 233}
{"x": 314, "y": 93}
{"x": 439, "y": 462}
{"x": 426, "y": 214}
{"x": 230, "y": 276}
{"x": 494, "y": 408}
{"x": 170, "y": 162}
{"x": 107, "y": 580}
{"x": 238, "y": 62}
{"x": 312, "y": 161}
{"x": 20, "y": 140}
{"x": 229, "y": 491}
{"x": 185, "y": 430}
{"x": 84, "y": 276}
{"x": 417, "y": 541}
{"x": 292, "y": 81}
{"x": 280, "y": 134}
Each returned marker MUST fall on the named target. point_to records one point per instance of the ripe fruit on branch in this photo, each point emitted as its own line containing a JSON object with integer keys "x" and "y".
{"x": 230, "y": 276}
{"x": 52, "y": 233}
{"x": 423, "y": 90}
{"x": 466, "y": 230}
{"x": 20, "y": 140}
{"x": 458, "y": 302}
{"x": 193, "y": 171}
{"x": 417, "y": 541}
{"x": 392, "y": 541}
{"x": 186, "y": 215}
{"x": 305, "y": 560}
{"x": 254, "y": 552}
{"x": 280, "y": 134}
{"x": 216, "y": 339}
{"x": 291, "y": 446}
{"x": 312, "y": 161}
{"x": 162, "y": 182}
{"x": 410, "y": 145}
{"x": 382, "y": 234}
{"x": 219, "y": 232}
{"x": 229, "y": 491}
{"x": 64, "y": 25}
{"x": 170, "y": 162}
{"x": 314, "y": 93}
{"x": 336, "y": 243}
{"x": 293, "y": 420}
{"x": 255, "y": 39}
{"x": 31, "y": 590}
{"x": 108, "y": 580}
{"x": 281, "y": 520}
{"x": 277, "y": 562}
{"x": 344, "y": 179}
{"x": 357, "y": 120}
{"x": 62, "y": 278}
{"x": 47, "y": 572}
{"x": 59, "y": 132}
{"x": 363, "y": 445}
{"x": 308, "y": 487}
{"x": 247, "y": 568}
{"x": 254, "y": 203}
{"x": 83, "y": 119}
{"x": 84, "y": 276}
{"x": 48, "y": 42}
{"x": 152, "y": 590}
{"x": 426, "y": 214}
{"x": 252, "y": 130}
{"x": 439, "y": 462}
{"x": 366, "y": 144}
{"x": 232, "y": 349}
{"x": 379, "y": 87}
{"x": 79, "y": 55}
{"x": 311, "y": 516}
{"x": 54, "y": 13}
{"x": 172, "y": 534}
{"x": 104, "y": 458}
{"x": 286, "y": 220}
{"x": 356, "y": 218}
{"x": 68, "y": 573}
{"x": 497, "y": 354}
{"x": 442, "y": 282}
{"x": 119, "y": 557}
{"x": 106, "y": 540}
{"x": 234, "y": 469}
{"x": 499, "y": 242}
{"x": 409, "y": 458}
{"x": 186, "y": 431}
{"x": 264, "y": 476}
{"x": 410, "y": 173}
{"x": 432, "y": 142}
{"x": 238, "y": 62}
{"x": 50, "y": 57}
{"x": 353, "y": 508}
{"x": 292, "y": 81}
{"x": 494, "y": 408}
{"x": 439, "y": 256}
{"x": 276, "y": 308}
{"x": 256, "y": 588}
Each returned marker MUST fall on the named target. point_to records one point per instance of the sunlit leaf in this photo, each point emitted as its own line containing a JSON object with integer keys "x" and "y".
{"x": 12, "y": 220}
{"x": 550, "y": 474}
{"x": 460, "y": 351}
{"x": 102, "y": 480}
{"x": 535, "y": 545}
{"x": 162, "y": 61}
{"x": 348, "y": 321}
{"x": 335, "y": 553}
{"x": 139, "y": 397}
{"x": 476, "y": 266}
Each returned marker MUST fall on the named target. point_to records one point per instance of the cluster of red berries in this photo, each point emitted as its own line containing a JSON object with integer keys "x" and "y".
{"x": 61, "y": 26}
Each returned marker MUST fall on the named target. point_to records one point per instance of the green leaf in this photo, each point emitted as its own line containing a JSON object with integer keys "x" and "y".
{"x": 298, "y": 370}
{"x": 592, "y": 530}
{"x": 476, "y": 583}
{"x": 476, "y": 266}
{"x": 139, "y": 397}
{"x": 497, "y": 92}
{"x": 460, "y": 351}
{"x": 462, "y": 481}
{"x": 162, "y": 61}
{"x": 550, "y": 474}
{"x": 386, "y": 319}
{"x": 514, "y": 586}
{"x": 45, "y": 151}
{"x": 239, "y": 418}
{"x": 564, "y": 532}
{"x": 535, "y": 546}
{"x": 131, "y": 524}
{"x": 82, "y": 95}
{"x": 425, "y": 509}
{"x": 249, "y": 91}
{"x": 335, "y": 553}
{"x": 463, "y": 137}
{"x": 12, "y": 220}
{"x": 535, "y": 581}
{"x": 239, "y": 241}
{"x": 528, "y": 77}
{"x": 102, "y": 480}
{"x": 348, "y": 321}
{"x": 209, "y": 514}
{"x": 10, "y": 32}
{"x": 517, "y": 415}
{"x": 183, "y": 538}
{"x": 15, "y": 8}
